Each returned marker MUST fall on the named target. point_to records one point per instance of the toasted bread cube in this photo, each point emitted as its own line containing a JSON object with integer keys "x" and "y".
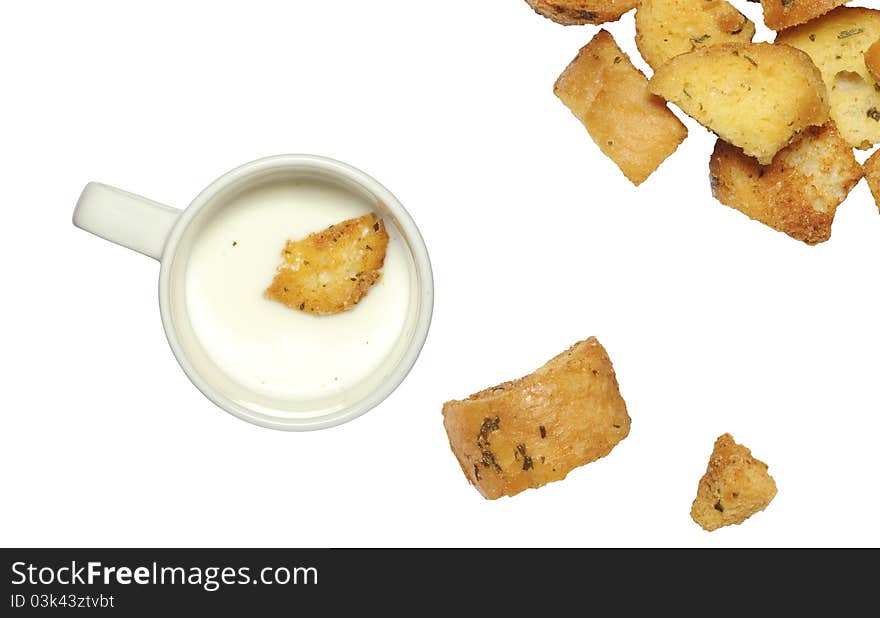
{"x": 331, "y": 271}
{"x": 872, "y": 61}
{"x": 578, "y": 12}
{"x": 781, "y": 14}
{"x": 633, "y": 127}
{"x": 753, "y": 95}
{"x": 837, "y": 44}
{"x": 535, "y": 430}
{"x": 799, "y": 192}
{"x": 872, "y": 175}
{"x": 667, "y": 28}
{"x": 735, "y": 486}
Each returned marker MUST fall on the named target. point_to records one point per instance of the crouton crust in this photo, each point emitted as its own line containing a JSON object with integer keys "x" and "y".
{"x": 872, "y": 61}
{"x": 610, "y": 97}
{"x": 872, "y": 175}
{"x": 331, "y": 271}
{"x": 535, "y": 430}
{"x": 735, "y": 487}
{"x": 799, "y": 192}
{"x": 781, "y": 14}
{"x": 579, "y": 12}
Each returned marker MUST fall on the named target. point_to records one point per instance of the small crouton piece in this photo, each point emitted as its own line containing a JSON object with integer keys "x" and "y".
{"x": 872, "y": 175}
{"x": 735, "y": 486}
{"x": 872, "y": 61}
{"x": 579, "y": 12}
{"x": 753, "y": 95}
{"x": 633, "y": 127}
{"x": 838, "y": 44}
{"x": 535, "y": 430}
{"x": 799, "y": 192}
{"x": 667, "y": 28}
{"x": 331, "y": 271}
{"x": 781, "y": 14}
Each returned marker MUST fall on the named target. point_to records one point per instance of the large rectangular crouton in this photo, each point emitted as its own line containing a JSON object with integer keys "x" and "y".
{"x": 535, "y": 430}
{"x": 610, "y": 97}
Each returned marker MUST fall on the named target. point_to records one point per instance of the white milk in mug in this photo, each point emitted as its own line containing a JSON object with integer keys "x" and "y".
{"x": 263, "y": 345}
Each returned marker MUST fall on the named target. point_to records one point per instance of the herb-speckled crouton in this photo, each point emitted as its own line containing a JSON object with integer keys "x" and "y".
{"x": 753, "y": 95}
{"x": 735, "y": 486}
{"x": 667, "y": 28}
{"x": 799, "y": 192}
{"x": 837, "y": 43}
{"x": 535, "y": 430}
{"x": 331, "y": 271}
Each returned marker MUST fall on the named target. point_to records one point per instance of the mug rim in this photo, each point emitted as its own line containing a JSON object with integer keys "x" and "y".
{"x": 424, "y": 276}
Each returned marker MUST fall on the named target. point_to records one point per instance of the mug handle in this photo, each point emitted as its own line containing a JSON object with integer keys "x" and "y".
{"x": 125, "y": 218}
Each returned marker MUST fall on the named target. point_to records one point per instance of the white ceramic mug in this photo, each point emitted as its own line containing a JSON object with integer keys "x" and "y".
{"x": 168, "y": 235}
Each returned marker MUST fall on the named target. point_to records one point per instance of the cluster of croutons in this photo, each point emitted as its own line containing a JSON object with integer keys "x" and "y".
{"x": 787, "y": 114}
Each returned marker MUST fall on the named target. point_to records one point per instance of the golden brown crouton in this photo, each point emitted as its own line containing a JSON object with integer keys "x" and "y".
{"x": 837, "y": 43}
{"x": 872, "y": 175}
{"x": 781, "y": 14}
{"x": 578, "y": 12}
{"x": 331, "y": 271}
{"x": 667, "y": 28}
{"x": 534, "y": 430}
{"x": 735, "y": 486}
{"x": 872, "y": 61}
{"x": 610, "y": 97}
{"x": 799, "y": 192}
{"x": 753, "y": 95}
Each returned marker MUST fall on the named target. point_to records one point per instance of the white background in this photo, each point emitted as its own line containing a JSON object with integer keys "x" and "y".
{"x": 715, "y": 323}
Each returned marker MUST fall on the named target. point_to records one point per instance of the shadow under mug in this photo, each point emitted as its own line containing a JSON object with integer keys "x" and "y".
{"x": 168, "y": 235}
